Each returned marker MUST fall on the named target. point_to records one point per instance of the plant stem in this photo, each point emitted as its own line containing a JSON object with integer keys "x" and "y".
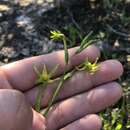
{"x": 60, "y": 85}
{"x": 117, "y": 32}
{"x": 65, "y": 75}
{"x": 66, "y": 51}
{"x": 54, "y": 96}
{"x": 39, "y": 96}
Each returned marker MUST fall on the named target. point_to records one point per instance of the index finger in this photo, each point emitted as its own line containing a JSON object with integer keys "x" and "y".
{"x": 22, "y": 76}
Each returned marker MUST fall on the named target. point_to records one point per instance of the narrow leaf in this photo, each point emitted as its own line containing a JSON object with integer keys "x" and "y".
{"x": 86, "y": 39}
{"x": 36, "y": 70}
{"x": 84, "y": 42}
{"x": 66, "y": 51}
{"x": 53, "y": 71}
{"x": 84, "y": 47}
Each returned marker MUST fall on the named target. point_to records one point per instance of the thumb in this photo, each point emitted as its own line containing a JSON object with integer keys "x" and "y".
{"x": 16, "y": 113}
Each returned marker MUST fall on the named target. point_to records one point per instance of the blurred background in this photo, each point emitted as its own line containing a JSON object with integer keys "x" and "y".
{"x": 25, "y": 27}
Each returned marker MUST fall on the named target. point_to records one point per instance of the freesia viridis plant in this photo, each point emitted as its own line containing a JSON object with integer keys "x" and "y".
{"x": 88, "y": 66}
{"x": 44, "y": 77}
{"x": 57, "y": 35}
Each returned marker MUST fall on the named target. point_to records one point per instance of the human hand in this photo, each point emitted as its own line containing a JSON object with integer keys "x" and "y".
{"x": 82, "y": 95}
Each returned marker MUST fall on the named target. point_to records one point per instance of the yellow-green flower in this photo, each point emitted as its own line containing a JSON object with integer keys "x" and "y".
{"x": 89, "y": 67}
{"x": 44, "y": 76}
{"x": 56, "y": 35}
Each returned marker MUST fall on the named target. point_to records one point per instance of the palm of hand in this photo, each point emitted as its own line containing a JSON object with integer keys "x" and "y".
{"x": 74, "y": 108}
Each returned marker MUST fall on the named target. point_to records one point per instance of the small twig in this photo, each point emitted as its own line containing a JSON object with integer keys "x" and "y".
{"x": 73, "y": 20}
{"x": 117, "y": 32}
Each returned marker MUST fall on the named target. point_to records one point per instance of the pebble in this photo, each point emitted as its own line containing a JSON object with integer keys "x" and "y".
{"x": 18, "y": 36}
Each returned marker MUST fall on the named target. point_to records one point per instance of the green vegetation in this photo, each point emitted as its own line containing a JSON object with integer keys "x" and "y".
{"x": 111, "y": 36}
{"x": 44, "y": 78}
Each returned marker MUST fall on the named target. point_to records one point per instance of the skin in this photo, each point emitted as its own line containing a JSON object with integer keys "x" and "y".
{"x": 81, "y": 97}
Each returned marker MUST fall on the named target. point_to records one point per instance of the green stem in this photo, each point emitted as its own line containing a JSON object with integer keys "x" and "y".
{"x": 66, "y": 54}
{"x": 39, "y": 97}
{"x": 60, "y": 85}
{"x": 66, "y": 50}
{"x": 54, "y": 96}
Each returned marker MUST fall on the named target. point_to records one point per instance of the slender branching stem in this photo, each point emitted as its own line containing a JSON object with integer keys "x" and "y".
{"x": 63, "y": 78}
{"x": 54, "y": 96}
{"x": 45, "y": 77}
{"x": 41, "y": 89}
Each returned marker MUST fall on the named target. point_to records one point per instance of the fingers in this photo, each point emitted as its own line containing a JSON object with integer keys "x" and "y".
{"x": 39, "y": 122}
{"x": 109, "y": 70}
{"x": 4, "y": 84}
{"x": 16, "y": 113}
{"x": 76, "y": 107}
{"x": 21, "y": 74}
{"x": 80, "y": 82}
{"x": 89, "y": 122}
